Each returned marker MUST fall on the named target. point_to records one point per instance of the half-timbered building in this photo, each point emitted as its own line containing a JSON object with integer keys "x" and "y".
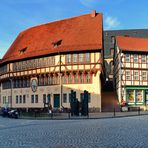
{"x": 131, "y": 70}
{"x": 46, "y": 62}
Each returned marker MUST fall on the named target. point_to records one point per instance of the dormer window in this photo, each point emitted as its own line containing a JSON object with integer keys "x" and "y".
{"x": 22, "y": 51}
{"x": 57, "y": 43}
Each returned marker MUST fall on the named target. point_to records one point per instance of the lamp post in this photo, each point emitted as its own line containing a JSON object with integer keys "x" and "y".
{"x": 11, "y": 85}
{"x": 61, "y": 84}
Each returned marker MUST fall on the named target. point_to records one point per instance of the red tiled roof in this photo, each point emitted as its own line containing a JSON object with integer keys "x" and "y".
{"x": 74, "y": 34}
{"x": 132, "y": 43}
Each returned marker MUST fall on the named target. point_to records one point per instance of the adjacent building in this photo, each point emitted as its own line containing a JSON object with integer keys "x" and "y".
{"x": 46, "y": 62}
{"x": 131, "y": 70}
{"x": 109, "y": 46}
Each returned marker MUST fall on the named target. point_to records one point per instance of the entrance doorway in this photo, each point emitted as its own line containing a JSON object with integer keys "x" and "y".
{"x": 56, "y": 100}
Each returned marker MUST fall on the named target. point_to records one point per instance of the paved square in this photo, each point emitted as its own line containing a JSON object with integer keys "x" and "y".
{"x": 130, "y": 132}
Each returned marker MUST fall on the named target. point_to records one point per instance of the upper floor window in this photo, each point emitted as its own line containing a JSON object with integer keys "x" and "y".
{"x": 127, "y": 57}
{"x": 144, "y": 75}
{"x": 80, "y": 57}
{"x": 68, "y": 58}
{"x": 87, "y": 57}
{"x": 76, "y": 78}
{"x": 135, "y": 58}
{"x": 136, "y": 75}
{"x": 70, "y": 78}
{"x": 143, "y": 58}
{"x": 81, "y": 78}
{"x": 88, "y": 78}
{"x": 75, "y": 58}
{"x": 128, "y": 75}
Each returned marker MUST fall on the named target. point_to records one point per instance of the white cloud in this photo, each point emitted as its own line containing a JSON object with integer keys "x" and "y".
{"x": 111, "y": 22}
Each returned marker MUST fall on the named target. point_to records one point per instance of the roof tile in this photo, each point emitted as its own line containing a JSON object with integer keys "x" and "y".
{"x": 132, "y": 43}
{"x": 78, "y": 33}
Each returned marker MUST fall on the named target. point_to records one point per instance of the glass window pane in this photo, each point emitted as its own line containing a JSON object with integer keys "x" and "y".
{"x": 81, "y": 57}
{"x": 130, "y": 96}
{"x": 75, "y": 59}
{"x": 139, "y": 96}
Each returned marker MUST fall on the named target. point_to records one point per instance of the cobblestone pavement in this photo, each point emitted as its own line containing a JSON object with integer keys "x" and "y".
{"x": 128, "y": 132}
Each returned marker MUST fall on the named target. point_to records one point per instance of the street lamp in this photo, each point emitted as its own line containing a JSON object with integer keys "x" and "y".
{"x": 61, "y": 84}
{"x": 11, "y": 84}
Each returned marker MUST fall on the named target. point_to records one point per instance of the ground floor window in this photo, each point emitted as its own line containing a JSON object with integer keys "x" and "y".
{"x": 137, "y": 96}
{"x": 130, "y": 96}
{"x": 64, "y": 98}
{"x": 146, "y": 95}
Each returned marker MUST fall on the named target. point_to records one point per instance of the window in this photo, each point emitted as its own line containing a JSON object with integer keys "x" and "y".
{"x": 76, "y": 78}
{"x": 75, "y": 59}
{"x": 130, "y": 96}
{"x": 64, "y": 79}
{"x": 139, "y": 96}
{"x": 48, "y": 97}
{"x": 80, "y": 57}
{"x": 136, "y": 75}
{"x": 68, "y": 58}
{"x": 88, "y": 78}
{"x": 50, "y": 79}
{"x": 52, "y": 60}
{"x": 70, "y": 78}
{"x": 128, "y": 75}
{"x": 144, "y": 75}
{"x": 143, "y": 59}
{"x": 36, "y": 98}
{"x": 44, "y": 98}
{"x": 32, "y": 98}
{"x": 16, "y": 99}
{"x": 20, "y": 99}
{"x": 81, "y": 78}
{"x": 135, "y": 58}
{"x": 127, "y": 57}
{"x": 24, "y": 98}
{"x": 40, "y": 82}
{"x": 87, "y": 57}
{"x": 28, "y": 82}
{"x": 64, "y": 98}
{"x": 45, "y": 80}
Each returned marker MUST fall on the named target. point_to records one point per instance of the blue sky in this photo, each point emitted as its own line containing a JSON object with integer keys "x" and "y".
{"x": 18, "y": 15}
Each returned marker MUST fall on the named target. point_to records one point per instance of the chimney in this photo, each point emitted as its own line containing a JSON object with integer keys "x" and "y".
{"x": 93, "y": 13}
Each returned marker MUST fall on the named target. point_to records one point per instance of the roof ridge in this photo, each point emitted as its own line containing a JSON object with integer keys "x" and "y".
{"x": 61, "y": 20}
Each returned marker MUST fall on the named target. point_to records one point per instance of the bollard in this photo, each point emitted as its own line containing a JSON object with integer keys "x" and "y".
{"x": 114, "y": 112}
{"x": 69, "y": 114}
{"x": 139, "y": 111}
